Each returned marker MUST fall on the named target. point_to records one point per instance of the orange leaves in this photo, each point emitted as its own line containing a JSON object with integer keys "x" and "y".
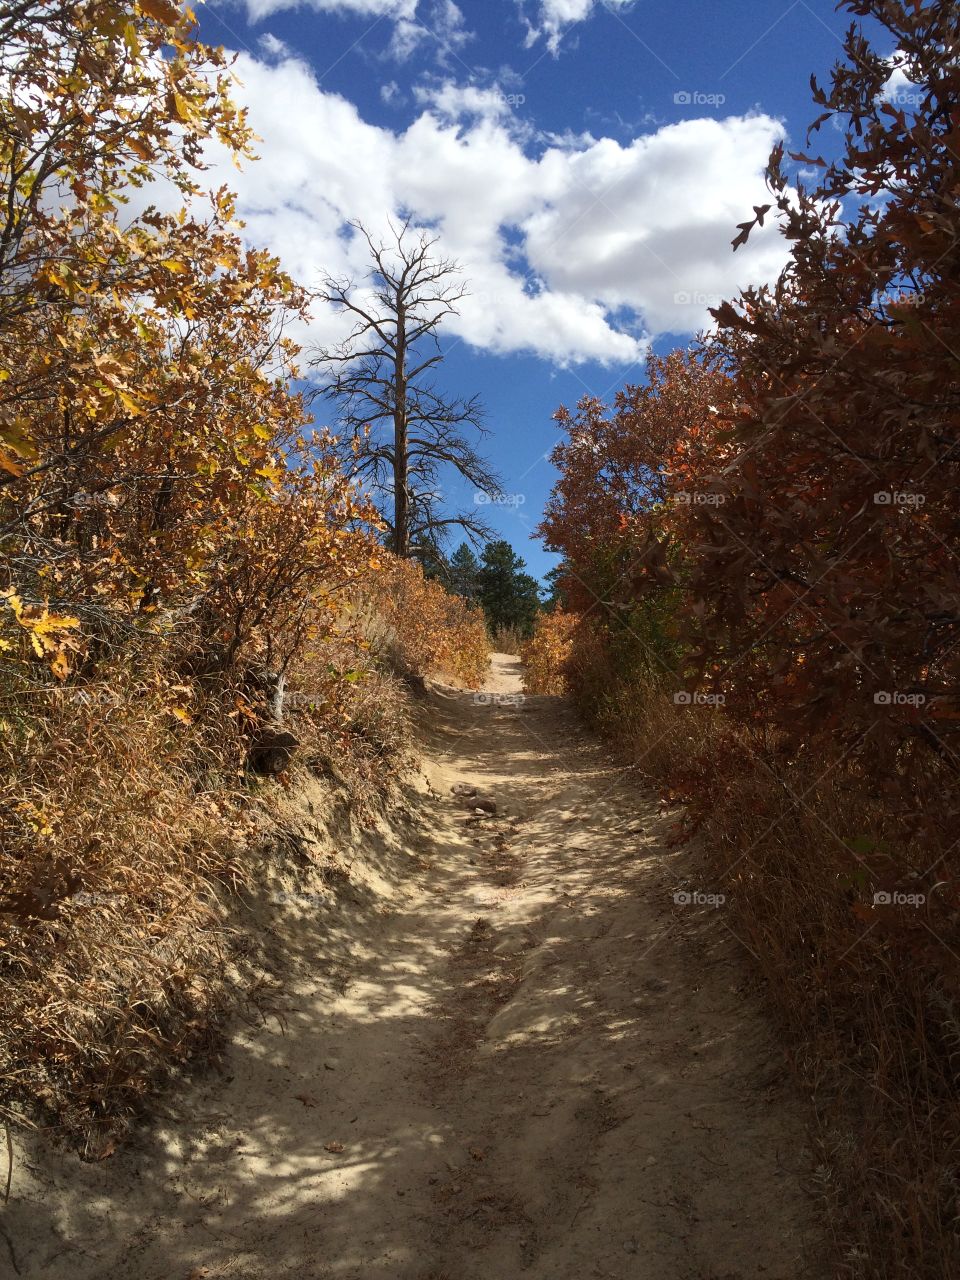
{"x": 162, "y": 10}
{"x": 546, "y": 654}
{"x": 432, "y": 631}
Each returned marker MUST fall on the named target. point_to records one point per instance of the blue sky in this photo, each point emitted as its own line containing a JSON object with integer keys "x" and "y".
{"x": 585, "y": 162}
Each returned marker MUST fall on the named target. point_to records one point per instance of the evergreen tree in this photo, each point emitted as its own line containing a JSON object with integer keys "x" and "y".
{"x": 463, "y": 573}
{"x": 510, "y": 597}
{"x": 555, "y": 596}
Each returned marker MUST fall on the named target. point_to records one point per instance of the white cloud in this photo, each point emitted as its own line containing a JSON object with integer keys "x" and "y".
{"x": 573, "y": 251}
{"x": 441, "y": 25}
{"x": 454, "y": 102}
{"x": 899, "y": 89}
{"x": 273, "y": 47}
{"x": 416, "y": 23}
{"x": 555, "y": 17}
{"x": 648, "y": 226}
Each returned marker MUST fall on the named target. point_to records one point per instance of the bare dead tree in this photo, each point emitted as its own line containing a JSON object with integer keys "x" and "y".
{"x": 401, "y": 432}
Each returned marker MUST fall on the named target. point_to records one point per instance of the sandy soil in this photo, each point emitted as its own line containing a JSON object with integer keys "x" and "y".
{"x": 504, "y": 1050}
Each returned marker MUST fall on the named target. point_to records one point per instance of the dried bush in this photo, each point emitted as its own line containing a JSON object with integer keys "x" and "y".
{"x": 546, "y": 654}
{"x": 423, "y": 628}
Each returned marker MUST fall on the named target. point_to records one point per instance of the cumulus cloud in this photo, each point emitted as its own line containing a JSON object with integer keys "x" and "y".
{"x": 574, "y": 249}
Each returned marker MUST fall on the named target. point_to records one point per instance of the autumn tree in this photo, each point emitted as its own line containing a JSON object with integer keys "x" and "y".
{"x": 146, "y": 420}
{"x": 402, "y": 432}
{"x": 787, "y": 494}
{"x": 631, "y": 474}
{"x": 832, "y": 559}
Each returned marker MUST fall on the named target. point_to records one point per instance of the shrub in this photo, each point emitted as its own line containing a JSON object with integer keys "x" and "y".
{"x": 545, "y": 656}
{"x": 425, "y": 629}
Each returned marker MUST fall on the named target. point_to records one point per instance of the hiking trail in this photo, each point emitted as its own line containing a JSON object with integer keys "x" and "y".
{"x": 521, "y": 1058}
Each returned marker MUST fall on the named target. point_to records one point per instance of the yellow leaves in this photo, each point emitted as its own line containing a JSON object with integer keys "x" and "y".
{"x": 181, "y": 714}
{"x": 128, "y": 402}
{"x": 59, "y": 665}
{"x": 11, "y": 453}
{"x": 35, "y": 818}
{"x": 46, "y": 631}
{"x": 175, "y": 265}
{"x": 183, "y": 108}
{"x": 131, "y": 40}
{"x": 58, "y": 277}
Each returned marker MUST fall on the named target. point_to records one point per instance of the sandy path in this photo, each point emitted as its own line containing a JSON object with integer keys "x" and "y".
{"x": 534, "y": 1061}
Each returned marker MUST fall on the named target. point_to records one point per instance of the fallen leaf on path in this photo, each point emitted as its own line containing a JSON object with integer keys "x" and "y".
{"x": 334, "y": 1147}
{"x": 307, "y": 1099}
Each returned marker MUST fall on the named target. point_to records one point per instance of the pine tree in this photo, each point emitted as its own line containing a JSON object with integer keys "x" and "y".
{"x": 510, "y": 597}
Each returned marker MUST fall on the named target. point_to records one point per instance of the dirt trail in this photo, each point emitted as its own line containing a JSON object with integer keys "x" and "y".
{"x": 524, "y": 1060}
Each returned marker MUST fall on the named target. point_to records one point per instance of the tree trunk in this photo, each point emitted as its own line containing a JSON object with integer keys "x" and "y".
{"x": 401, "y": 513}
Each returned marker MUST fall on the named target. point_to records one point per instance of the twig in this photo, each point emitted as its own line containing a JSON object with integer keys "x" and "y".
{"x": 6, "y": 1194}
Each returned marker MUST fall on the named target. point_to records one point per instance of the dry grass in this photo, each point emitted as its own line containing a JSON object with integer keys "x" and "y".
{"x": 116, "y": 833}
{"x": 128, "y": 822}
